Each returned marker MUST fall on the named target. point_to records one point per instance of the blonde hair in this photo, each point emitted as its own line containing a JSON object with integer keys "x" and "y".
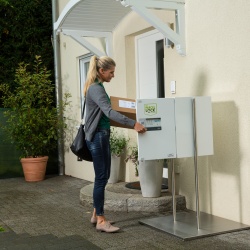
{"x": 95, "y": 64}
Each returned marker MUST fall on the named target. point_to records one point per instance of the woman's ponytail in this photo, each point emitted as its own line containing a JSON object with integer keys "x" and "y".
{"x": 92, "y": 74}
{"x": 95, "y": 64}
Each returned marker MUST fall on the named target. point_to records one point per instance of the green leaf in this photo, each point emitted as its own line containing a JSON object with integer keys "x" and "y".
{"x": 32, "y": 120}
{"x": 118, "y": 143}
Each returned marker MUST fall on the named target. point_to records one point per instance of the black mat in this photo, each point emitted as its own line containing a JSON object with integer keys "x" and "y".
{"x": 136, "y": 185}
{"x": 11, "y": 240}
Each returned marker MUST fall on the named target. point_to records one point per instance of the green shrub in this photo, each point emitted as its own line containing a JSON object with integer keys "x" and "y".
{"x": 32, "y": 118}
{"x": 25, "y": 31}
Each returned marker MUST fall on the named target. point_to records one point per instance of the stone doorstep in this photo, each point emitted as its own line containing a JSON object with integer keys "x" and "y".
{"x": 127, "y": 202}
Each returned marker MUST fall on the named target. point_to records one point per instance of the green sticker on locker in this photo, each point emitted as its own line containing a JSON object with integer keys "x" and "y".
{"x": 150, "y": 109}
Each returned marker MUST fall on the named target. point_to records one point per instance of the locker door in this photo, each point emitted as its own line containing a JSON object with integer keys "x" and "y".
{"x": 204, "y": 125}
{"x": 158, "y": 116}
{"x": 184, "y": 127}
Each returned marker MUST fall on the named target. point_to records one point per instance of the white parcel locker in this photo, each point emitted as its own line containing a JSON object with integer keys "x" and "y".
{"x": 171, "y": 123}
{"x": 157, "y": 115}
{"x": 194, "y": 137}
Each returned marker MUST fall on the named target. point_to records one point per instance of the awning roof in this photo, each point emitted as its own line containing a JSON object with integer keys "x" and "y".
{"x": 92, "y": 15}
{"x": 98, "y": 18}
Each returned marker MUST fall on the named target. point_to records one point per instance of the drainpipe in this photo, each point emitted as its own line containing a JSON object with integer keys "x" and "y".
{"x": 58, "y": 85}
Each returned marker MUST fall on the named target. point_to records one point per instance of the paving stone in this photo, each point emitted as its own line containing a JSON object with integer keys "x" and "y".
{"x": 51, "y": 215}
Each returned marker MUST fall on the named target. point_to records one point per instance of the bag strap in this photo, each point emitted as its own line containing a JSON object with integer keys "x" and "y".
{"x": 83, "y": 109}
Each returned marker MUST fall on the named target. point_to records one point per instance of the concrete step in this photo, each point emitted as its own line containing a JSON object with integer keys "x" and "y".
{"x": 120, "y": 198}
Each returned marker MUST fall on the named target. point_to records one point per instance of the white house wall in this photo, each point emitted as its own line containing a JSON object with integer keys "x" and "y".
{"x": 62, "y": 4}
{"x": 70, "y": 51}
{"x": 217, "y": 64}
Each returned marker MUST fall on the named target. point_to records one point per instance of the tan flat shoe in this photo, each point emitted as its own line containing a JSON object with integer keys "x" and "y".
{"x": 93, "y": 220}
{"x": 106, "y": 227}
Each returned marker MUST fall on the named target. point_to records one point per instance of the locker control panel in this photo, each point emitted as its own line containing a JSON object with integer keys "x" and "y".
{"x": 151, "y": 124}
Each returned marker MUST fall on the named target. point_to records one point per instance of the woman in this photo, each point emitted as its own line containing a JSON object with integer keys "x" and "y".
{"x": 97, "y": 130}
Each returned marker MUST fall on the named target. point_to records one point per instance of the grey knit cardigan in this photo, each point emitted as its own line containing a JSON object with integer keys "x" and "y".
{"x": 98, "y": 104}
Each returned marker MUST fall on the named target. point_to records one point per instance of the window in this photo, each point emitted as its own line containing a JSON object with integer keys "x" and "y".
{"x": 84, "y": 66}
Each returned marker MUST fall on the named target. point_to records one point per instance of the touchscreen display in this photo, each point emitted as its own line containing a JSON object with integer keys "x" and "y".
{"x": 151, "y": 124}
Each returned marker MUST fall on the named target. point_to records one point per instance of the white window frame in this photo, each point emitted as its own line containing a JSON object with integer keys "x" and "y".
{"x": 83, "y": 70}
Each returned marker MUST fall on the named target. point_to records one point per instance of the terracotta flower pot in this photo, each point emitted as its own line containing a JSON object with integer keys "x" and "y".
{"x": 34, "y": 168}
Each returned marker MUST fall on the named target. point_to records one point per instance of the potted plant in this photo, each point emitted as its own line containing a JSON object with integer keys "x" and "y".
{"x": 118, "y": 144}
{"x": 133, "y": 157}
{"x": 32, "y": 117}
{"x": 150, "y": 176}
{"x": 149, "y": 172}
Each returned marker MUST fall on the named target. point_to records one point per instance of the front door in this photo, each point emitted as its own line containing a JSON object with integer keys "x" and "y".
{"x": 149, "y": 65}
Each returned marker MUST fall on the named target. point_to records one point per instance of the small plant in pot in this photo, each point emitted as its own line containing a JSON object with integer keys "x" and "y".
{"x": 32, "y": 117}
{"x": 133, "y": 157}
{"x": 118, "y": 144}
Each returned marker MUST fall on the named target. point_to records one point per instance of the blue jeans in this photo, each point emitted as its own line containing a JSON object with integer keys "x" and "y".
{"x": 100, "y": 150}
